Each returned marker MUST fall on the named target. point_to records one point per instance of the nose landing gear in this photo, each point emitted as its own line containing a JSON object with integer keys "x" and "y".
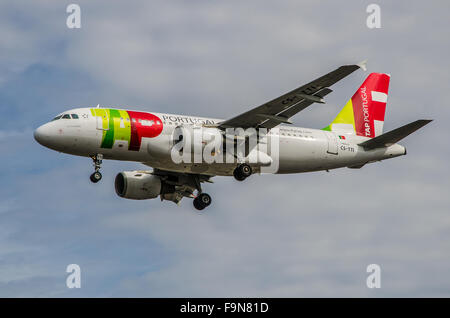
{"x": 96, "y": 176}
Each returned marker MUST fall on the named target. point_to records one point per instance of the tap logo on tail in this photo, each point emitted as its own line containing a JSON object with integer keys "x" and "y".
{"x": 363, "y": 114}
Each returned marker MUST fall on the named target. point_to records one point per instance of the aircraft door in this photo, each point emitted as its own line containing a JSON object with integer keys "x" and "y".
{"x": 102, "y": 120}
{"x": 332, "y": 143}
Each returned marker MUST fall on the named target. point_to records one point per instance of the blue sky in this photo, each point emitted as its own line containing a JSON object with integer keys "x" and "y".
{"x": 293, "y": 236}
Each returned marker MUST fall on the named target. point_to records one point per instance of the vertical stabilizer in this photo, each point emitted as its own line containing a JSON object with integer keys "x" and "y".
{"x": 363, "y": 114}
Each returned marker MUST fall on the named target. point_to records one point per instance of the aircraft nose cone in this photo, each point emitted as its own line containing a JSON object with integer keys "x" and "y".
{"x": 41, "y": 134}
{"x": 38, "y": 134}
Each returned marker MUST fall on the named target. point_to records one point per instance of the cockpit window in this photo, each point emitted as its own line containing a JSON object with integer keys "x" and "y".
{"x": 66, "y": 116}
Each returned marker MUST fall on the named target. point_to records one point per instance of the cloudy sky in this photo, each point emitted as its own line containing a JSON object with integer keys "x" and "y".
{"x": 277, "y": 236}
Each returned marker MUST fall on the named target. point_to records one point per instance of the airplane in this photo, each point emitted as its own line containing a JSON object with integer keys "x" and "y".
{"x": 353, "y": 139}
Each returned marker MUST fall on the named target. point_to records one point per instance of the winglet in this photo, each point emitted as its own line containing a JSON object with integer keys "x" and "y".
{"x": 363, "y": 65}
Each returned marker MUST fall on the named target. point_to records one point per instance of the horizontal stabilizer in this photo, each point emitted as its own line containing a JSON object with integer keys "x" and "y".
{"x": 393, "y": 136}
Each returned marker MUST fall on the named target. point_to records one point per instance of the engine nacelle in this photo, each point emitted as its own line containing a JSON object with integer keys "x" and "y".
{"x": 137, "y": 185}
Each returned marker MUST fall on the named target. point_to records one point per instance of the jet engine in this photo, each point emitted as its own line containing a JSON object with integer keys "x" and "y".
{"x": 137, "y": 185}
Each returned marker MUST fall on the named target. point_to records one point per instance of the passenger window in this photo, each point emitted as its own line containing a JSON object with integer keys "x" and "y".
{"x": 66, "y": 116}
{"x": 74, "y": 116}
{"x": 145, "y": 122}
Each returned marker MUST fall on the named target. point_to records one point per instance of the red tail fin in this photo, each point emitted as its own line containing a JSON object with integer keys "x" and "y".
{"x": 369, "y": 105}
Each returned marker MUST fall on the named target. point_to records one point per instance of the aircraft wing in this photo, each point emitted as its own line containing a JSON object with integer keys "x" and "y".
{"x": 280, "y": 109}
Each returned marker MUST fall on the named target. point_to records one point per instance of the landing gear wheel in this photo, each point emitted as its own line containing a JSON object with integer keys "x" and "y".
{"x": 197, "y": 205}
{"x": 205, "y": 199}
{"x": 242, "y": 172}
{"x": 237, "y": 175}
{"x": 96, "y": 177}
{"x": 202, "y": 201}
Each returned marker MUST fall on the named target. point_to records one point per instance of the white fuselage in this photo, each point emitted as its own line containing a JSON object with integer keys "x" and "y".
{"x": 299, "y": 149}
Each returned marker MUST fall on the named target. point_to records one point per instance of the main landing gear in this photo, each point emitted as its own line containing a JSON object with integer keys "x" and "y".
{"x": 242, "y": 172}
{"x": 96, "y": 176}
{"x": 202, "y": 201}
